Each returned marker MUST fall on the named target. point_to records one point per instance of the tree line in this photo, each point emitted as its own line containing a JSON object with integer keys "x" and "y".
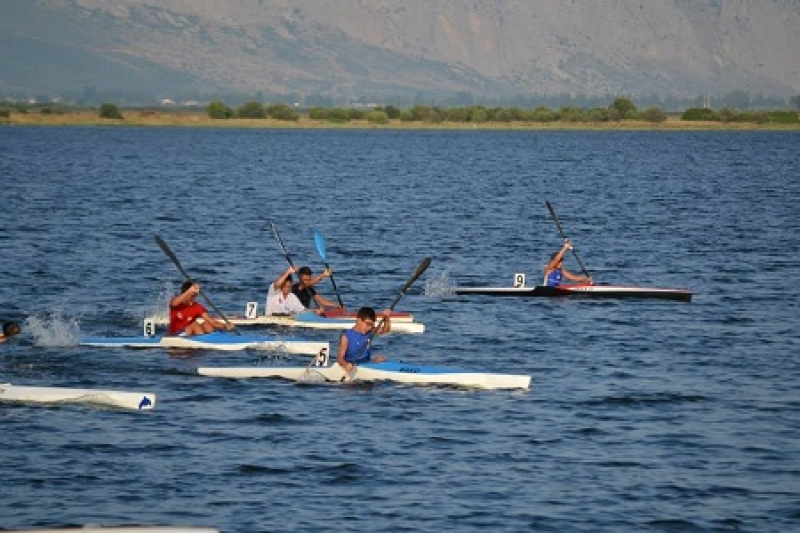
{"x": 622, "y": 108}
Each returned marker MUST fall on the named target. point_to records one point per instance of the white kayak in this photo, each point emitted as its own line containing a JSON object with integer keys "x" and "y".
{"x": 121, "y": 529}
{"x": 211, "y": 341}
{"x": 387, "y": 371}
{"x": 309, "y": 319}
{"x": 55, "y": 395}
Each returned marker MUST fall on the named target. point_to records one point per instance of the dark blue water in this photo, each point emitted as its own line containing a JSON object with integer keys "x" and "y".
{"x": 642, "y": 416}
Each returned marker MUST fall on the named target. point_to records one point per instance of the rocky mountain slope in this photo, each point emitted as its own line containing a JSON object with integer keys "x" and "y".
{"x": 378, "y": 48}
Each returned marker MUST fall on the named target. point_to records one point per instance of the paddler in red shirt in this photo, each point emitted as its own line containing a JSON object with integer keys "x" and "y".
{"x": 189, "y": 317}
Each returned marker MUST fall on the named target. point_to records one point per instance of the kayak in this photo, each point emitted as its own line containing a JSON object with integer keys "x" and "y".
{"x": 120, "y": 529}
{"x": 217, "y": 340}
{"x": 311, "y": 320}
{"x": 387, "y": 371}
{"x": 55, "y": 395}
{"x": 586, "y": 291}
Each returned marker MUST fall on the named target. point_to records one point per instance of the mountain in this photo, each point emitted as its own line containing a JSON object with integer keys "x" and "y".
{"x": 353, "y": 49}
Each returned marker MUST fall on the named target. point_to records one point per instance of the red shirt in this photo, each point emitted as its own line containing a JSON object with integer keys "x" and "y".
{"x": 183, "y": 315}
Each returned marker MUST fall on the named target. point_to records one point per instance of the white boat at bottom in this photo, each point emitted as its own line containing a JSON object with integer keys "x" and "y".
{"x": 121, "y": 529}
{"x": 387, "y": 371}
{"x": 56, "y": 395}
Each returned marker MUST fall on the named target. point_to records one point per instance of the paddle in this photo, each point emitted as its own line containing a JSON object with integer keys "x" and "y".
{"x": 319, "y": 240}
{"x": 166, "y": 249}
{"x": 417, "y": 273}
{"x": 563, "y": 236}
{"x": 289, "y": 258}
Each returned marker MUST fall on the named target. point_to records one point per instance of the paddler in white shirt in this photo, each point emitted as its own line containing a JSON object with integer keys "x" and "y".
{"x": 280, "y": 298}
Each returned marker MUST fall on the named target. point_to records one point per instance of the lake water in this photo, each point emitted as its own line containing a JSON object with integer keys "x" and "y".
{"x": 642, "y": 415}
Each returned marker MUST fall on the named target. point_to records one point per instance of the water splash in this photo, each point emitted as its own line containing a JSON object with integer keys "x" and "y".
{"x": 439, "y": 286}
{"x": 53, "y": 330}
{"x": 158, "y": 308}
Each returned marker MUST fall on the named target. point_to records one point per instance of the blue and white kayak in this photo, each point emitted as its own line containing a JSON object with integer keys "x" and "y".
{"x": 387, "y": 371}
{"x": 58, "y": 395}
{"x": 217, "y": 340}
{"x": 310, "y": 320}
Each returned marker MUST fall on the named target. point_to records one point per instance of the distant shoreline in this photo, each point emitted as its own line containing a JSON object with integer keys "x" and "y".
{"x": 201, "y": 120}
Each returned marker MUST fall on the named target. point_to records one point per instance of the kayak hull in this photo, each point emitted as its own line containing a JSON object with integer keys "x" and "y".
{"x": 309, "y": 320}
{"x": 387, "y": 371}
{"x": 57, "y": 395}
{"x": 585, "y": 291}
{"x": 211, "y": 341}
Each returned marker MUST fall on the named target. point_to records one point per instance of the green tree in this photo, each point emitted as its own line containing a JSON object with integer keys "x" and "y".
{"x": 653, "y": 114}
{"x": 282, "y": 112}
{"x": 251, "y": 110}
{"x": 218, "y": 110}
{"x": 338, "y": 115}
{"x": 392, "y": 112}
{"x": 698, "y": 113}
{"x": 5, "y": 112}
{"x": 624, "y": 106}
{"x": 318, "y": 113}
{"x": 378, "y": 117}
{"x": 110, "y": 111}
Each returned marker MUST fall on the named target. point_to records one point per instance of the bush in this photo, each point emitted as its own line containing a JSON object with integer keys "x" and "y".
{"x": 318, "y": 113}
{"x": 653, "y": 114}
{"x": 110, "y": 111}
{"x": 783, "y": 117}
{"x": 251, "y": 110}
{"x": 5, "y": 113}
{"x": 378, "y": 117}
{"x": 282, "y": 112}
{"x": 698, "y": 113}
{"x": 218, "y": 110}
{"x": 338, "y": 115}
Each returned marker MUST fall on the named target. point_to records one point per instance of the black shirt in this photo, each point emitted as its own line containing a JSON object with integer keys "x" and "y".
{"x": 304, "y": 295}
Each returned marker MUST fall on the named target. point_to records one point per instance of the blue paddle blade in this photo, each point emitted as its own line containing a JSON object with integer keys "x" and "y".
{"x": 319, "y": 240}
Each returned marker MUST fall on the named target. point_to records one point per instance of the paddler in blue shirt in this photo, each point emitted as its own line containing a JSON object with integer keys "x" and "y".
{"x": 355, "y": 343}
{"x": 555, "y": 273}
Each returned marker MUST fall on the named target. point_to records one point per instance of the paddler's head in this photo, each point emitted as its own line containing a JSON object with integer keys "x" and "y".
{"x": 10, "y": 329}
{"x": 188, "y": 284}
{"x": 365, "y": 319}
{"x": 305, "y": 274}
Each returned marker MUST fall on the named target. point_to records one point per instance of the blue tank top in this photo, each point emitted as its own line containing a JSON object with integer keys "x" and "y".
{"x": 358, "y": 347}
{"x": 554, "y": 278}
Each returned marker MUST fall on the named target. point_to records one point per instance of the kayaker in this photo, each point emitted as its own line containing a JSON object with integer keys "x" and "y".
{"x": 188, "y": 316}
{"x": 304, "y": 289}
{"x": 10, "y": 329}
{"x": 355, "y": 343}
{"x": 280, "y": 298}
{"x": 555, "y": 273}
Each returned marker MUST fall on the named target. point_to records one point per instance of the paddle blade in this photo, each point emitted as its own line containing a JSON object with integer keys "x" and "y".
{"x": 319, "y": 241}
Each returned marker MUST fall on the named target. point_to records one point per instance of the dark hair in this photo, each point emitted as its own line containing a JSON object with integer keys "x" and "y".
{"x": 10, "y": 329}
{"x": 304, "y": 271}
{"x": 187, "y": 285}
{"x": 366, "y": 313}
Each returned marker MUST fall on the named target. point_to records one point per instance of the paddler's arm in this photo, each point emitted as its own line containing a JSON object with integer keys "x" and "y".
{"x": 347, "y": 366}
{"x": 185, "y": 297}
{"x": 386, "y": 322}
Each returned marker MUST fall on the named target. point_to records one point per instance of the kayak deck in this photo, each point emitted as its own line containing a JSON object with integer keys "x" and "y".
{"x": 211, "y": 341}
{"x": 588, "y": 291}
{"x": 310, "y": 320}
{"x": 397, "y": 372}
{"x": 58, "y": 395}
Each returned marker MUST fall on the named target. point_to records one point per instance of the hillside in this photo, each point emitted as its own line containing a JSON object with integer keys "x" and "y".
{"x": 352, "y": 49}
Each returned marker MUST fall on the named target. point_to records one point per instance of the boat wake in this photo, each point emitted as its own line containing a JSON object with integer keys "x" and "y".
{"x": 53, "y": 330}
